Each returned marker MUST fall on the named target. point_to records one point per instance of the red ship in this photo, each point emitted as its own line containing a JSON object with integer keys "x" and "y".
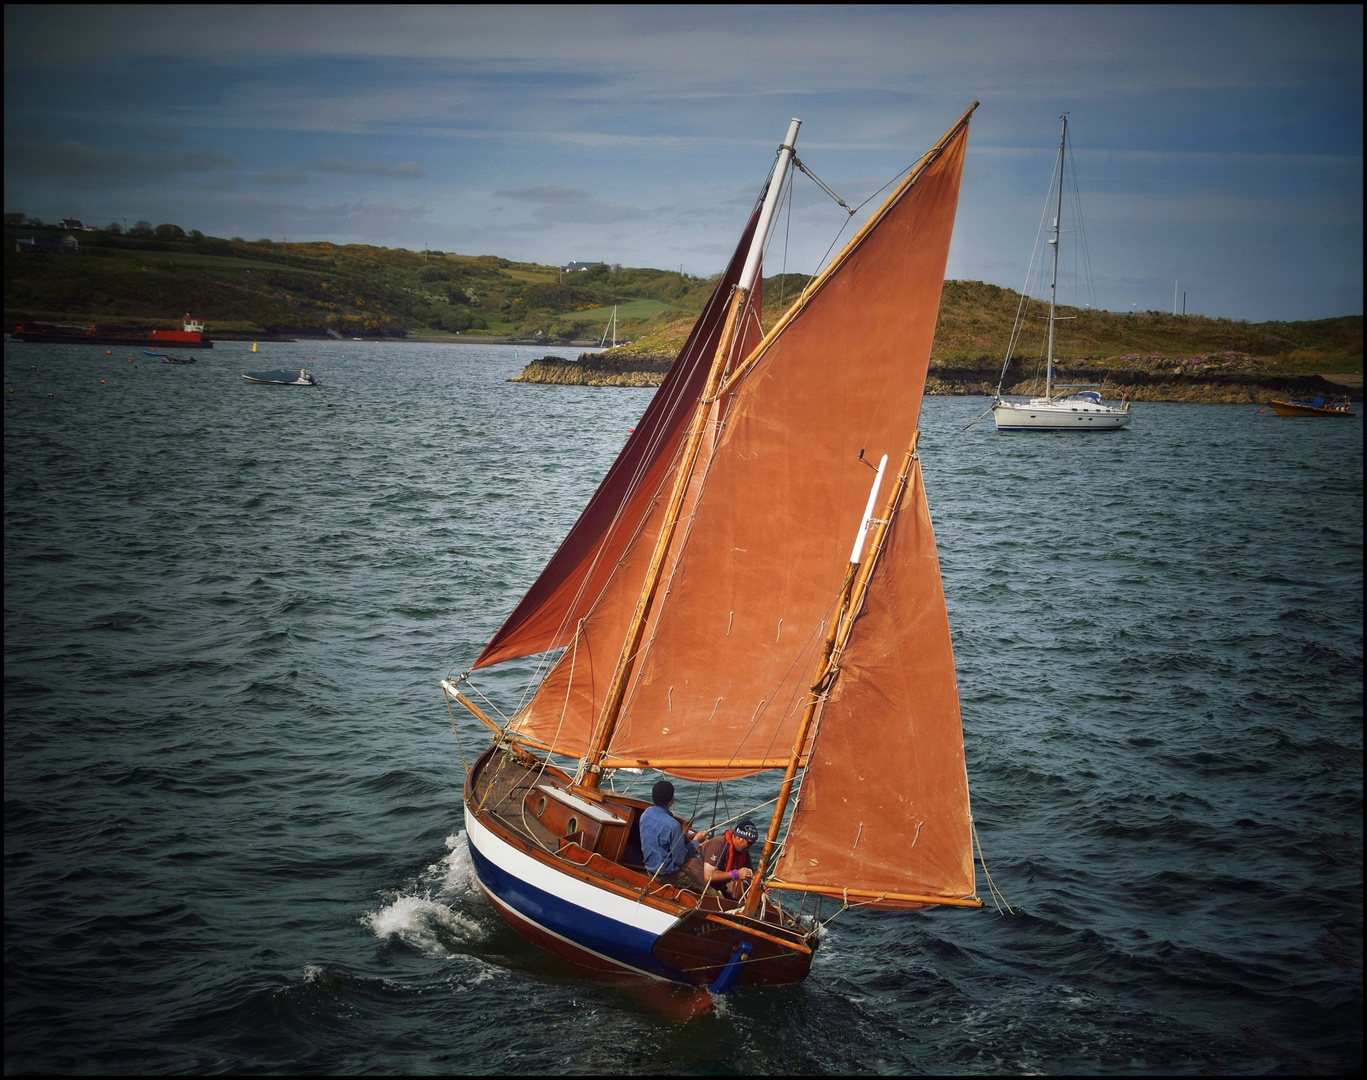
{"x": 191, "y": 337}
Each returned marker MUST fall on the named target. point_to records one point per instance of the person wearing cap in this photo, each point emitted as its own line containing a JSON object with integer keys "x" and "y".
{"x": 663, "y": 844}
{"x": 724, "y": 861}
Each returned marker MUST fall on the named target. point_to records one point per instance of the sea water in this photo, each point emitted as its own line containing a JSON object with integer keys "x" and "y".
{"x": 233, "y": 793}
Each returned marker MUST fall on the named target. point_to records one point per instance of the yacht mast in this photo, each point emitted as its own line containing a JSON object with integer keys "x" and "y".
{"x": 1053, "y": 285}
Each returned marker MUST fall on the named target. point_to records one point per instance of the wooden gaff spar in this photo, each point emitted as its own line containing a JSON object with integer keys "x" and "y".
{"x": 715, "y": 623}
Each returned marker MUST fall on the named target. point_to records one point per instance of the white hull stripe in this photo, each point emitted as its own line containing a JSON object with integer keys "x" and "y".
{"x": 571, "y": 890}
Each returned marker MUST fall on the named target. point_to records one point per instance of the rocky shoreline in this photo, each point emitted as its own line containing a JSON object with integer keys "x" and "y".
{"x": 591, "y": 369}
{"x": 1225, "y": 378}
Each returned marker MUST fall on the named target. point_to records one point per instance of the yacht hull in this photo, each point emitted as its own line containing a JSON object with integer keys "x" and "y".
{"x": 1013, "y": 417}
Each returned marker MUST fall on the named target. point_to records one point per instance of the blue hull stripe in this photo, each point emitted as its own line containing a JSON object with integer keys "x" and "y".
{"x": 627, "y": 945}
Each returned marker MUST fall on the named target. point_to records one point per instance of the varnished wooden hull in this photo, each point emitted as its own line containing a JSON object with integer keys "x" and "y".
{"x": 608, "y": 918}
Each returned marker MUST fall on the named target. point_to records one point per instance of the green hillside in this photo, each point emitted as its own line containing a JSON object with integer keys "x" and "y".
{"x": 1151, "y": 356}
{"x": 265, "y": 288}
{"x": 976, "y": 319}
{"x": 262, "y": 288}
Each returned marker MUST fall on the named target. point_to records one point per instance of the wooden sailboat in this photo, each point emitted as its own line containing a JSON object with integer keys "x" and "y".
{"x": 715, "y": 624}
{"x": 1079, "y": 407}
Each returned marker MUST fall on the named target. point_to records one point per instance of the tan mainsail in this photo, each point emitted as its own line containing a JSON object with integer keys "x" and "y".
{"x": 761, "y": 552}
{"x": 883, "y": 809}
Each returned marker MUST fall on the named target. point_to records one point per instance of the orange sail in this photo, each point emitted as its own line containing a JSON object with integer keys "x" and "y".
{"x": 883, "y": 810}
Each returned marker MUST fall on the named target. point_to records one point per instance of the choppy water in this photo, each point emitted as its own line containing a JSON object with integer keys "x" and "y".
{"x": 232, "y": 794}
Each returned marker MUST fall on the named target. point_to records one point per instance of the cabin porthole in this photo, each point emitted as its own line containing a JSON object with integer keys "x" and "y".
{"x": 572, "y": 826}
{"x": 541, "y": 806}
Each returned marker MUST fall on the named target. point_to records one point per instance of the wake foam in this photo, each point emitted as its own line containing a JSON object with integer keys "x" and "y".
{"x": 429, "y": 921}
{"x": 456, "y": 871}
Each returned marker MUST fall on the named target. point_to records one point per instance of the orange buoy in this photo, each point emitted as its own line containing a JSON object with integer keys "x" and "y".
{"x": 109, "y": 352}
{"x": 104, "y": 380}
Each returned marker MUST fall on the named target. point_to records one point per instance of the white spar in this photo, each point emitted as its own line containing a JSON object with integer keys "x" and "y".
{"x": 858, "y": 552}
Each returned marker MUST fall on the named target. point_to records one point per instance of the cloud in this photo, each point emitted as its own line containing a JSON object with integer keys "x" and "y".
{"x": 564, "y": 205}
{"x": 82, "y": 166}
{"x": 281, "y": 178}
{"x": 404, "y": 170}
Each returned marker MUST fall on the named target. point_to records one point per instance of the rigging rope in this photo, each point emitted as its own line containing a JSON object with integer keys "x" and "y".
{"x": 997, "y": 898}
{"x": 465, "y": 764}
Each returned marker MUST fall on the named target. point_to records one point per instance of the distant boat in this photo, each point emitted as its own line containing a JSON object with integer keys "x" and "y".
{"x": 1084, "y": 411}
{"x": 281, "y": 378}
{"x": 1314, "y": 407}
{"x": 177, "y": 359}
{"x": 191, "y": 337}
{"x": 611, "y": 328}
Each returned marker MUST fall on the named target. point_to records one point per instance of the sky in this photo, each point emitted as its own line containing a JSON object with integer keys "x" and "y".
{"x": 1216, "y": 150}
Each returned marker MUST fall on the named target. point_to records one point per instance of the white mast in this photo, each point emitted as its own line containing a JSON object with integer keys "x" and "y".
{"x": 610, "y": 328}
{"x": 590, "y": 772}
{"x": 1053, "y": 285}
{"x": 766, "y": 215}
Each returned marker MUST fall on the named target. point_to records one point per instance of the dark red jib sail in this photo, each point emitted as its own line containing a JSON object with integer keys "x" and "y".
{"x": 576, "y": 574}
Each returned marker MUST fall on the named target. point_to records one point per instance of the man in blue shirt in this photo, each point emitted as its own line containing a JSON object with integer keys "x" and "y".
{"x": 663, "y": 843}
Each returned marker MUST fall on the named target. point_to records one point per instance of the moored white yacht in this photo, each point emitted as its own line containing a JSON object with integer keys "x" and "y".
{"x": 1081, "y": 408}
{"x": 1081, "y": 411}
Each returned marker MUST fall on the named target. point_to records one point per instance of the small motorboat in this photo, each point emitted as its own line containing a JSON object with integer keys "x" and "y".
{"x": 176, "y": 359}
{"x": 1317, "y": 406}
{"x": 281, "y": 378}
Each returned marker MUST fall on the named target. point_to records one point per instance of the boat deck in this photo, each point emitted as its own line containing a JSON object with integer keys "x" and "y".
{"x": 532, "y": 808}
{"x": 602, "y": 837}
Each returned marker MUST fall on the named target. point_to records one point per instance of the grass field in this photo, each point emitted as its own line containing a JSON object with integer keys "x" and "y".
{"x": 633, "y": 310}
{"x": 213, "y": 262}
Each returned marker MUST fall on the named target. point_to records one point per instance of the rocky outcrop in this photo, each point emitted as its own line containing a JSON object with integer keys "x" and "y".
{"x": 594, "y": 369}
{"x": 1232, "y": 378}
